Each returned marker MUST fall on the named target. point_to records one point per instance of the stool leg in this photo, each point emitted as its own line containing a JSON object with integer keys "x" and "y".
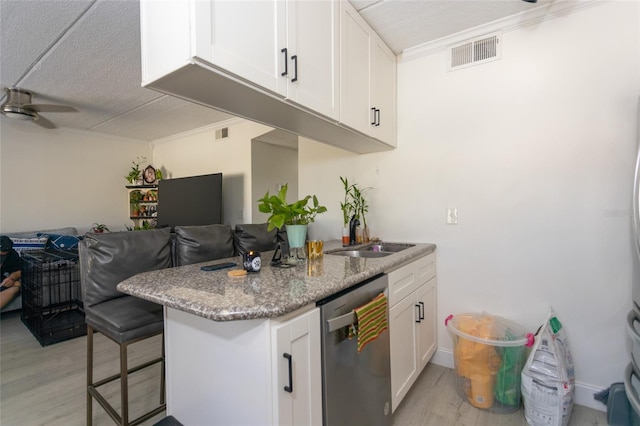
{"x": 89, "y": 374}
{"x": 124, "y": 385}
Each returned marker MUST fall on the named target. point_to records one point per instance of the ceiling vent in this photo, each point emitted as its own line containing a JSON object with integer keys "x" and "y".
{"x": 475, "y": 52}
{"x": 222, "y": 133}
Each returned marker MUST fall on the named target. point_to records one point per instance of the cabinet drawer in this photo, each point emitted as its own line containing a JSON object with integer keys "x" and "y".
{"x": 406, "y": 279}
{"x": 402, "y": 282}
{"x": 425, "y": 268}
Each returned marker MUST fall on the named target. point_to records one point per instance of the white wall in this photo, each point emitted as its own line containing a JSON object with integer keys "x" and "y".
{"x": 198, "y": 153}
{"x": 537, "y": 153}
{"x": 62, "y": 177}
{"x": 272, "y": 165}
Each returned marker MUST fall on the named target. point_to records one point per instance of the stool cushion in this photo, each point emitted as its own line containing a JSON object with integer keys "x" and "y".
{"x": 202, "y": 243}
{"x": 125, "y": 318}
{"x": 168, "y": 421}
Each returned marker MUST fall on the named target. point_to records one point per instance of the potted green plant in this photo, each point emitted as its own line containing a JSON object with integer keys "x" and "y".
{"x": 361, "y": 208}
{"x": 347, "y": 208}
{"x": 135, "y": 174}
{"x": 296, "y": 216}
{"x": 99, "y": 228}
{"x": 354, "y": 206}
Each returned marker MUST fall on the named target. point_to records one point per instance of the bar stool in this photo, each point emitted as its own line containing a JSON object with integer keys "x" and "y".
{"x": 106, "y": 260}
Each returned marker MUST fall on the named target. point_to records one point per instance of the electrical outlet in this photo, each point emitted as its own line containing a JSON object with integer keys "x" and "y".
{"x": 452, "y": 216}
{"x": 240, "y": 214}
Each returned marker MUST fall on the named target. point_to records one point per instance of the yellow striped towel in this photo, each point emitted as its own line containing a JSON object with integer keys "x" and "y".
{"x": 372, "y": 320}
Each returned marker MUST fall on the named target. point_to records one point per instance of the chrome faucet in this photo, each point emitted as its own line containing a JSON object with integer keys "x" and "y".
{"x": 352, "y": 229}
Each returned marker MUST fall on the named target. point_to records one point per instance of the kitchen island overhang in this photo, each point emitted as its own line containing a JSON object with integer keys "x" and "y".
{"x": 270, "y": 293}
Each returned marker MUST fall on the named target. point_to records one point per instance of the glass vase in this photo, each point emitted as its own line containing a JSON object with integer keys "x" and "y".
{"x": 345, "y": 236}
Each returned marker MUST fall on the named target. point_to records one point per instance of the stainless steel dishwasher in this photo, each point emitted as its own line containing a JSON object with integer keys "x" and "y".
{"x": 356, "y": 387}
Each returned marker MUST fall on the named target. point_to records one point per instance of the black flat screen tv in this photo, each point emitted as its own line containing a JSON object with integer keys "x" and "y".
{"x": 195, "y": 200}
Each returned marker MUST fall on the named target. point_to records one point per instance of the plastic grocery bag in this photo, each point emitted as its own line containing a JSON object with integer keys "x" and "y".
{"x": 507, "y": 389}
{"x": 548, "y": 378}
{"x": 477, "y": 362}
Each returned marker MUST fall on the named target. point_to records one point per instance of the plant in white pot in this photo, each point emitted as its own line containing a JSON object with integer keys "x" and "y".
{"x": 296, "y": 216}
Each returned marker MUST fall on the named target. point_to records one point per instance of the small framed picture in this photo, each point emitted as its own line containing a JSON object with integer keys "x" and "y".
{"x": 149, "y": 175}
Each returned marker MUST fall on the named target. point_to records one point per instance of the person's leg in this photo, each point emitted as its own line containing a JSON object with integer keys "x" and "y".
{"x": 8, "y": 295}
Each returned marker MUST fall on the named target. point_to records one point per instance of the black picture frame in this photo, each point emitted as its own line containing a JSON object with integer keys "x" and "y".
{"x": 149, "y": 175}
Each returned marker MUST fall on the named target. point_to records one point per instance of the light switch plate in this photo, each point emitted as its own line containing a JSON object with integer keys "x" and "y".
{"x": 452, "y": 216}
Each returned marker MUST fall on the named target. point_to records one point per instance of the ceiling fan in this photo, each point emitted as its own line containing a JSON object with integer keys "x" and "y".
{"x": 18, "y": 106}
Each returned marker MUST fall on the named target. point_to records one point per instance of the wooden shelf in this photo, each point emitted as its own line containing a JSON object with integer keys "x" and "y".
{"x": 141, "y": 186}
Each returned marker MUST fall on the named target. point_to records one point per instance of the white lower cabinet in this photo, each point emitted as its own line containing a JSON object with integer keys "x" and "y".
{"x": 412, "y": 323}
{"x": 426, "y": 328}
{"x": 235, "y": 372}
{"x": 297, "y": 371}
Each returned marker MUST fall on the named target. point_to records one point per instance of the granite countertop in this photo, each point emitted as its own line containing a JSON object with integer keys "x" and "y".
{"x": 269, "y": 293}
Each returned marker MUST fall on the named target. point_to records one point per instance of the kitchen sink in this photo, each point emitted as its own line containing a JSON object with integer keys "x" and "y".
{"x": 376, "y": 250}
{"x": 360, "y": 253}
{"x": 389, "y": 247}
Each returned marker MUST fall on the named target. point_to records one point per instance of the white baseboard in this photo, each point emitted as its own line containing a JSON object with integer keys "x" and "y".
{"x": 583, "y": 392}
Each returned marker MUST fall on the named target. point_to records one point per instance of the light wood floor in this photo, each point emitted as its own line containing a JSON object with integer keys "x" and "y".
{"x": 46, "y": 386}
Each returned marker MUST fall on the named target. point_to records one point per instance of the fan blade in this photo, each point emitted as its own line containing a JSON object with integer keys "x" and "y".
{"x": 50, "y": 108}
{"x": 43, "y": 122}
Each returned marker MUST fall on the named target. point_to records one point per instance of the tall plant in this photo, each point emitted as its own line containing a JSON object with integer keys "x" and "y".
{"x": 347, "y": 205}
{"x": 354, "y": 202}
{"x": 360, "y": 202}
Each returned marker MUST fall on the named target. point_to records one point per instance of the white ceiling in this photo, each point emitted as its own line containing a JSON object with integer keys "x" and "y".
{"x": 86, "y": 54}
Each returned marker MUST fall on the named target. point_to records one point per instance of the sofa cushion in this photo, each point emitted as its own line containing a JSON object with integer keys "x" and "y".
{"x": 202, "y": 243}
{"x": 22, "y": 245}
{"x": 61, "y": 241}
{"x": 110, "y": 258}
{"x": 34, "y": 234}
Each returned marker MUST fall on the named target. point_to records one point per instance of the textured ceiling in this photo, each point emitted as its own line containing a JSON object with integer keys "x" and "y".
{"x": 408, "y": 23}
{"x": 86, "y": 53}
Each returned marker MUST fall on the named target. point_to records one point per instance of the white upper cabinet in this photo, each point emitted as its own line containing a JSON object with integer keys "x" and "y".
{"x": 242, "y": 37}
{"x": 383, "y": 92}
{"x": 354, "y": 70}
{"x": 367, "y": 79}
{"x": 311, "y": 78}
{"x": 275, "y": 62}
{"x": 287, "y": 47}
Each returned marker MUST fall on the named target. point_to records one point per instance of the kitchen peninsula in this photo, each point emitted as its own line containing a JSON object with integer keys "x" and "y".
{"x": 225, "y": 337}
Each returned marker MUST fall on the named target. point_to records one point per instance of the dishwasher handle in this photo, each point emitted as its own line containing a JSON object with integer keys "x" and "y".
{"x": 341, "y": 321}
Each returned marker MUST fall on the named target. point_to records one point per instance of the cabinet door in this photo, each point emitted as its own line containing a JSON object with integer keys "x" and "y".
{"x": 404, "y": 368}
{"x": 354, "y": 70}
{"x": 383, "y": 91}
{"x": 426, "y": 328}
{"x": 245, "y": 38}
{"x": 298, "y": 383}
{"x": 312, "y": 43}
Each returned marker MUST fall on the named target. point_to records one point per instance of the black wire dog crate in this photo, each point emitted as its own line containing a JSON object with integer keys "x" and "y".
{"x": 51, "y": 296}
